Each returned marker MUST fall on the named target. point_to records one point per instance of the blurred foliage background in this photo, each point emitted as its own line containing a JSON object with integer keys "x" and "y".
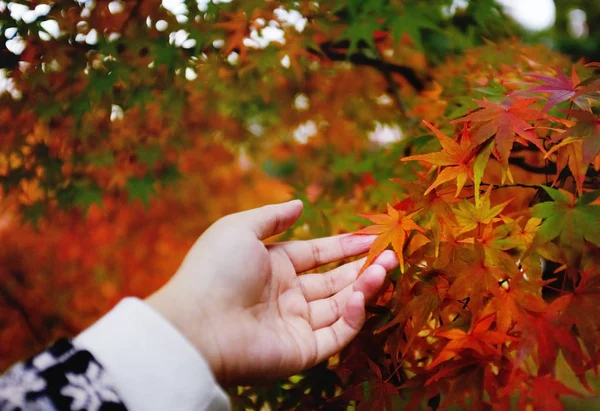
{"x": 126, "y": 128}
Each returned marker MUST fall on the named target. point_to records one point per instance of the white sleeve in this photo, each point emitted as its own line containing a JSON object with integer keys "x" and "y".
{"x": 153, "y": 366}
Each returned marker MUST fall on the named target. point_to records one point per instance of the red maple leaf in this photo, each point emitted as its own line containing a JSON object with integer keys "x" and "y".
{"x": 509, "y": 121}
{"x": 545, "y": 394}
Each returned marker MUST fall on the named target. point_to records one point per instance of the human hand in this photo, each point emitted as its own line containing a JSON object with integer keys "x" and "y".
{"x": 243, "y": 306}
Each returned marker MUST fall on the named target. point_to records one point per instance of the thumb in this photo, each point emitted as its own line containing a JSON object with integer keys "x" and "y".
{"x": 271, "y": 219}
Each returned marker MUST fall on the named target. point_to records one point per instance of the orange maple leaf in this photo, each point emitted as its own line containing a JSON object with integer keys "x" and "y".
{"x": 457, "y": 157}
{"x": 392, "y": 228}
{"x": 237, "y": 29}
{"x": 480, "y": 340}
{"x": 436, "y": 205}
{"x": 427, "y": 297}
{"x": 570, "y": 152}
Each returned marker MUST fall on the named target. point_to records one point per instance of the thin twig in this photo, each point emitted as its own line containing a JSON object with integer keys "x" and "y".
{"x": 534, "y": 186}
{"x": 15, "y": 304}
{"x": 514, "y": 185}
{"x": 131, "y": 15}
{"x": 392, "y": 86}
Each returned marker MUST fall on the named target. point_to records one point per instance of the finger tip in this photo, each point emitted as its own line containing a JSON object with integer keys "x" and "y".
{"x": 296, "y": 203}
{"x": 372, "y": 282}
{"x": 388, "y": 260}
{"x": 374, "y": 271}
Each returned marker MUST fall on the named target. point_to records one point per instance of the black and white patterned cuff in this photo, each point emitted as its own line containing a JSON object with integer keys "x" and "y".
{"x": 63, "y": 377}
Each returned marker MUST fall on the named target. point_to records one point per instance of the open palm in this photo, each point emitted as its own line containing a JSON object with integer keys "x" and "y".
{"x": 249, "y": 313}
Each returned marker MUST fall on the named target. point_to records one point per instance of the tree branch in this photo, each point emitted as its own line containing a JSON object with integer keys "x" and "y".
{"x": 18, "y": 307}
{"x": 393, "y": 87}
{"x": 534, "y": 186}
{"x": 521, "y": 163}
{"x": 332, "y": 51}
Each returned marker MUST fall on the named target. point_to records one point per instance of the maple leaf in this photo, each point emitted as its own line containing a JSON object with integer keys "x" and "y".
{"x": 523, "y": 237}
{"x": 561, "y": 88}
{"x": 480, "y": 341}
{"x": 545, "y": 334}
{"x": 457, "y": 159}
{"x": 360, "y": 32}
{"x": 377, "y": 394}
{"x": 588, "y": 129}
{"x": 505, "y": 121}
{"x": 426, "y": 299}
{"x": 436, "y": 203}
{"x": 572, "y": 220}
{"x": 476, "y": 282}
{"x": 453, "y": 244}
{"x": 391, "y": 228}
{"x": 411, "y": 21}
{"x": 585, "y": 300}
{"x": 470, "y": 215}
{"x": 570, "y": 152}
{"x": 511, "y": 306}
{"x": 237, "y": 29}
{"x": 495, "y": 241}
{"x": 545, "y": 394}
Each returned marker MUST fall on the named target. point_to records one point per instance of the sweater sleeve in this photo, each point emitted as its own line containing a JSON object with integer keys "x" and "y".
{"x": 63, "y": 377}
{"x": 153, "y": 366}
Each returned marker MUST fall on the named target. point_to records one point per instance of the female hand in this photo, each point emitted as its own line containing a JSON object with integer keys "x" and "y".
{"x": 244, "y": 307}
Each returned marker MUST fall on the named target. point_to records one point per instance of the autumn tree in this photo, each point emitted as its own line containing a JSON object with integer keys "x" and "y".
{"x": 443, "y": 127}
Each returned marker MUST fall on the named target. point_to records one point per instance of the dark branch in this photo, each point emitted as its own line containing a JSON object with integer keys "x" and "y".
{"x": 16, "y": 305}
{"x": 393, "y": 88}
{"x": 521, "y": 163}
{"x": 534, "y": 186}
{"x": 332, "y": 51}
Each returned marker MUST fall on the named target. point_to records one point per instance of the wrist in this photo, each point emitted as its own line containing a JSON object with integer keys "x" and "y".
{"x": 193, "y": 327}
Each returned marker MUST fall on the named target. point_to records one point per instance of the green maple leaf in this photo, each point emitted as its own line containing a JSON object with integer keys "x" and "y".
{"x": 360, "y": 32}
{"x": 166, "y": 54}
{"x": 364, "y": 21}
{"x": 149, "y": 156}
{"x": 104, "y": 158}
{"x": 86, "y": 196}
{"x": 101, "y": 83}
{"x": 411, "y": 21}
{"x": 79, "y": 194}
{"x": 32, "y": 213}
{"x": 572, "y": 221}
{"x": 141, "y": 188}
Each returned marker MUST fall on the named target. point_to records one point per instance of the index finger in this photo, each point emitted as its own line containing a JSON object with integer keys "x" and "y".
{"x": 310, "y": 254}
